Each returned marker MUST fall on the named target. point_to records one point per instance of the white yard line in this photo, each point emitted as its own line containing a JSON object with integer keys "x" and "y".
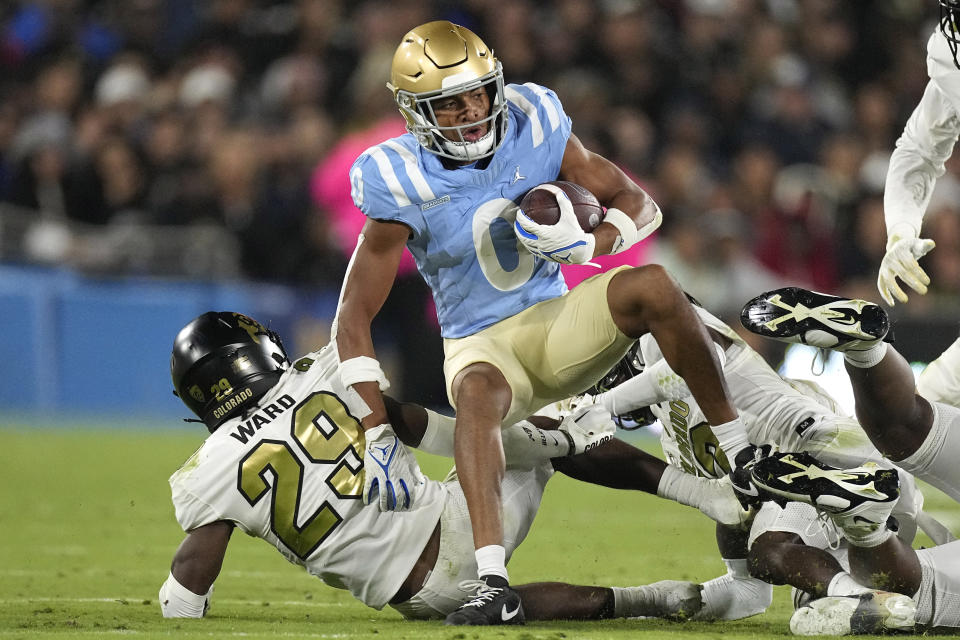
{"x": 137, "y": 600}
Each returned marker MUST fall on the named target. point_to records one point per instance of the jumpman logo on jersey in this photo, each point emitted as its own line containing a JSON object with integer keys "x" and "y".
{"x": 516, "y": 176}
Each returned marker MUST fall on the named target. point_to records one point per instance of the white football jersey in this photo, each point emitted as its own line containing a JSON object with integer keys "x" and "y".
{"x": 291, "y": 473}
{"x": 926, "y": 143}
{"x": 774, "y": 411}
{"x": 941, "y": 68}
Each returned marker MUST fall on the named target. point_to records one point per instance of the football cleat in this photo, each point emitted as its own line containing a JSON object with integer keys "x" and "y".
{"x": 800, "y": 598}
{"x": 492, "y": 603}
{"x": 864, "y": 495}
{"x": 797, "y": 315}
{"x": 873, "y": 613}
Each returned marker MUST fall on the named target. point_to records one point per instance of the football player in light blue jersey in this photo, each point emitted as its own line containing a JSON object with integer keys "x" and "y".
{"x": 515, "y": 340}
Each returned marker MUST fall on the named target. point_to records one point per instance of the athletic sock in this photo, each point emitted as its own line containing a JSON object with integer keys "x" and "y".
{"x": 735, "y": 594}
{"x": 868, "y": 357}
{"x": 491, "y": 561}
{"x": 632, "y": 602}
{"x": 866, "y": 536}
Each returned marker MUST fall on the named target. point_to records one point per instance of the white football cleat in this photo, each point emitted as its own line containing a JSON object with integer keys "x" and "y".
{"x": 871, "y": 613}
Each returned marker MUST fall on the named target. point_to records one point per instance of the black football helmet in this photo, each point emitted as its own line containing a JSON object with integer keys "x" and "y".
{"x": 630, "y": 365}
{"x": 950, "y": 26}
{"x": 222, "y": 363}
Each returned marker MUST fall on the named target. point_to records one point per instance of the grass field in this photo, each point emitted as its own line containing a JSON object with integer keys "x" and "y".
{"x": 88, "y": 533}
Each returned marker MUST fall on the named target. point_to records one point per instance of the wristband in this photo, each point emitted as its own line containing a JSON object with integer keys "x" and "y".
{"x": 363, "y": 369}
{"x": 629, "y": 233}
{"x": 899, "y": 231}
{"x": 176, "y": 601}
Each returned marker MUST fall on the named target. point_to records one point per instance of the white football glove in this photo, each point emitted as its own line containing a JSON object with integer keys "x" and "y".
{"x": 587, "y": 428}
{"x": 900, "y": 261}
{"x": 391, "y": 473}
{"x": 563, "y": 242}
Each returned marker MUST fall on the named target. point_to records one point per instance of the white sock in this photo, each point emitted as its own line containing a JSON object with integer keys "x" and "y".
{"x": 712, "y": 498}
{"x": 843, "y": 584}
{"x": 732, "y": 437}
{"x": 629, "y": 602}
{"x": 868, "y": 357}
{"x": 865, "y": 536}
{"x": 677, "y": 486}
{"x": 646, "y": 600}
{"x": 734, "y": 595}
{"x": 491, "y": 560}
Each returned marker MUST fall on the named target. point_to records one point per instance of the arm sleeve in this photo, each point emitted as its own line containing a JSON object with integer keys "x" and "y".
{"x": 917, "y": 161}
{"x": 523, "y": 443}
{"x": 657, "y": 383}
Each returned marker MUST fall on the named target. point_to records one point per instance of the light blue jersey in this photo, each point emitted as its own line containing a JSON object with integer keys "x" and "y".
{"x": 461, "y": 220}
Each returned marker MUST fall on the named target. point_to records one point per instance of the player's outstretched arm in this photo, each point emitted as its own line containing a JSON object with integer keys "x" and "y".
{"x": 917, "y": 161}
{"x": 631, "y": 215}
{"x": 392, "y": 475}
{"x": 525, "y": 444}
{"x": 187, "y": 590}
{"x": 368, "y": 281}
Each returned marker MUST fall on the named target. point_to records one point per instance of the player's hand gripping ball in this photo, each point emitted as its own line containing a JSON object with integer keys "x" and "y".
{"x": 541, "y": 204}
{"x": 555, "y": 220}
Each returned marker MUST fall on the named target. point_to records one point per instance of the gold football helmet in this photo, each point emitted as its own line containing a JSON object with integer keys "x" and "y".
{"x": 440, "y": 59}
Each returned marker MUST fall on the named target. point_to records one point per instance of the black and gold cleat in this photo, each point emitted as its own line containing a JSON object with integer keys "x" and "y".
{"x": 820, "y": 320}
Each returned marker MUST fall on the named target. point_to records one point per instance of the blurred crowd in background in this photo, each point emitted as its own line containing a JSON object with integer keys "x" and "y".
{"x": 212, "y": 138}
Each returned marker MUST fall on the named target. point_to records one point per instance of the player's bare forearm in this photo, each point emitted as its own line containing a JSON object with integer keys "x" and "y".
{"x": 199, "y": 557}
{"x": 409, "y": 420}
{"x": 613, "y": 188}
{"x": 366, "y": 287}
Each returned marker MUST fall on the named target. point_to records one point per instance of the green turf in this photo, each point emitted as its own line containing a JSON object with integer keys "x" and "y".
{"x": 88, "y": 533}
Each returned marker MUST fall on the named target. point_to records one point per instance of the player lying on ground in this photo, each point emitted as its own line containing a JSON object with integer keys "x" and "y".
{"x": 887, "y": 571}
{"x": 287, "y": 461}
{"x": 781, "y": 547}
{"x": 921, "y": 436}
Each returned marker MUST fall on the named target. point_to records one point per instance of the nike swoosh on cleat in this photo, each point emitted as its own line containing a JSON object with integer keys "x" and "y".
{"x": 508, "y": 615}
{"x": 751, "y": 491}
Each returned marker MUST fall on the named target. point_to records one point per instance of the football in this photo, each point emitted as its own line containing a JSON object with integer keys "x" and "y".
{"x": 540, "y": 204}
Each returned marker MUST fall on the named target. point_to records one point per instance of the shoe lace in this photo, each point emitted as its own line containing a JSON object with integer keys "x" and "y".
{"x": 824, "y": 523}
{"x": 484, "y": 592}
{"x": 821, "y": 356}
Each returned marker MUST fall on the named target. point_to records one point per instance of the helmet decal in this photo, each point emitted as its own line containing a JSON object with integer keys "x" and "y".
{"x": 441, "y": 60}
{"x": 223, "y": 363}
